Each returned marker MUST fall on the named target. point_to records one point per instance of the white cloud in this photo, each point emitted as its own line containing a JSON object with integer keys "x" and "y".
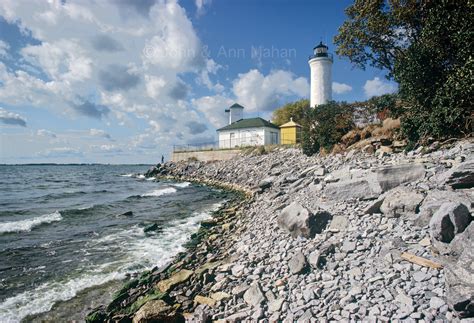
{"x": 11, "y": 118}
{"x": 213, "y": 108}
{"x": 154, "y": 86}
{"x": 341, "y": 88}
{"x": 201, "y": 4}
{"x": 61, "y": 152}
{"x": 64, "y": 60}
{"x": 46, "y": 133}
{"x": 4, "y": 47}
{"x": 175, "y": 45}
{"x": 99, "y": 133}
{"x": 257, "y": 92}
{"x": 106, "y": 148}
{"x": 378, "y": 87}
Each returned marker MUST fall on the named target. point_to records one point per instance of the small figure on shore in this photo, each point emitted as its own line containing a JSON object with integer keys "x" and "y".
{"x": 162, "y": 159}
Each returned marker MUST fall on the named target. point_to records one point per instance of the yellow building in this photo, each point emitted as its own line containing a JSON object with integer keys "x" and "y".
{"x": 290, "y": 133}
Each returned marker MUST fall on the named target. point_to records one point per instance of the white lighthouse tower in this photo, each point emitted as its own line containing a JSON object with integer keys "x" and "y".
{"x": 321, "y": 75}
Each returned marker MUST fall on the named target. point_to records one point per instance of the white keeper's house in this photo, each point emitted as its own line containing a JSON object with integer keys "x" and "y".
{"x": 242, "y": 132}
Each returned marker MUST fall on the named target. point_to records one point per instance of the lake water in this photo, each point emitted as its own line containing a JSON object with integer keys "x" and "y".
{"x": 64, "y": 229}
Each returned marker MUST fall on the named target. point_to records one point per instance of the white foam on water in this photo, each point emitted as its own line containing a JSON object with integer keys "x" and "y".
{"x": 126, "y": 175}
{"x": 150, "y": 178}
{"x": 140, "y": 176}
{"x": 160, "y": 192}
{"x": 182, "y": 185}
{"x": 142, "y": 252}
{"x": 42, "y": 298}
{"x": 29, "y": 224}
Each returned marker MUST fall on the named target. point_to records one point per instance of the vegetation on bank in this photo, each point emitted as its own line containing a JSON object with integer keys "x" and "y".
{"x": 426, "y": 47}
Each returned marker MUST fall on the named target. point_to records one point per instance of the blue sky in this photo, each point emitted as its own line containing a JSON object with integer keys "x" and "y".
{"x": 123, "y": 81}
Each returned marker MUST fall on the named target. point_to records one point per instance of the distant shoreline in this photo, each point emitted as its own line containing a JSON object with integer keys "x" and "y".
{"x": 74, "y": 164}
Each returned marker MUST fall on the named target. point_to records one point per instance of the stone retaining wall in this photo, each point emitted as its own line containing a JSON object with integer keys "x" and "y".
{"x": 209, "y": 155}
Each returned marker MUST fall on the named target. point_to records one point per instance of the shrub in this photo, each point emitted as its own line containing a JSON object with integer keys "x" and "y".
{"x": 295, "y": 110}
{"x": 324, "y": 126}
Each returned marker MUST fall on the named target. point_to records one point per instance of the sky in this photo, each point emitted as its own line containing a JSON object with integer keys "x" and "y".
{"x": 123, "y": 81}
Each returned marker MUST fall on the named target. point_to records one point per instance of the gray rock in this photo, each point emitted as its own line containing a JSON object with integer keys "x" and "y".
{"x": 401, "y": 201}
{"x": 308, "y": 294}
{"x": 306, "y": 317}
{"x": 317, "y": 258}
{"x": 351, "y": 189}
{"x": 237, "y": 270}
{"x": 275, "y": 305}
{"x": 435, "y": 198}
{"x": 460, "y": 275}
{"x": 338, "y": 223}
{"x": 450, "y": 219}
{"x": 200, "y": 314}
{"x": 462, "y": 241}
{"x": 266, "y": 183}
{"x": 254, "y": 296}
{"x": 374, "y": 206}
{"x": 419, "y": 276}
{"x": 299, "y": 221}
{"x": 240, "y": 290}
{"x": 461, "y": 176}
{"x": 348, "y": 246}
{"x": 436, "y": 302}
{"x": 390, "y": 177}
{"x": 297, "y": 263}
{"x": 258, "y": 313}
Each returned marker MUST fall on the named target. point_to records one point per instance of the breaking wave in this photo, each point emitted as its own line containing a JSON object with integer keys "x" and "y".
{"x": 29, "y": 224}
{"x": 160, "y": 192}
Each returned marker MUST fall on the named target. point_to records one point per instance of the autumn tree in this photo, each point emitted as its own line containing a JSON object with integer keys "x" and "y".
{"x": 426, "y": 47}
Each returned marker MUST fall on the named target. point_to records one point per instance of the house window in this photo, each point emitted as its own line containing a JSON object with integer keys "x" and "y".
{"x": 232, "y": 139}
{"x": 274, "y": 138}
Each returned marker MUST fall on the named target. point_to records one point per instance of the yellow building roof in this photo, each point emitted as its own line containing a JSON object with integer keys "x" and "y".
{"x": 290, "y": 124}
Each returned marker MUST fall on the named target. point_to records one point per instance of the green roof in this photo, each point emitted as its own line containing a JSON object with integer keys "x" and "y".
{"x": 249, "y": 123}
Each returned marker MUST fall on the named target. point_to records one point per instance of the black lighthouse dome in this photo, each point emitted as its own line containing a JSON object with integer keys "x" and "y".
{"x": 320, "y": 50}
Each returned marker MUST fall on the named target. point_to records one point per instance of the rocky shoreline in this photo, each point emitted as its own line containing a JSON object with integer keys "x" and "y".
{"x": 354, "y": 236}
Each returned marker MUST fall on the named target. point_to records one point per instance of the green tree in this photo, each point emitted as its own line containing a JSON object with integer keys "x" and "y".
{"x": 324, "y": 126}
{"x": 295, "y": 110}
{"x": 426, "y": 47}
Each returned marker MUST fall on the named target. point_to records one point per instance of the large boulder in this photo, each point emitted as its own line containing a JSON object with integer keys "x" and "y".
{"x": 461, "y": 176}
{"x": 451, "y": 219}
{"x": 351, "y": 189}
{"x": 389, "y": 177}
{"x": 299, "y": 221}
{"x": 401, "y": 201}
{"x": 460, "y": 275}
{"x": 436, "y": 198}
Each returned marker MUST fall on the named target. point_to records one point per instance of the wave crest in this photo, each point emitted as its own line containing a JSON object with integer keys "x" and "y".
{"x": 29, "y": 224}
{"x": 160, "y": 192}
{"x": 181, "y": 185}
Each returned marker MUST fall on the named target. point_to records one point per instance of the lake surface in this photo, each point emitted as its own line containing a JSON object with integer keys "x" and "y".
{"x": 65, "y": 229}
